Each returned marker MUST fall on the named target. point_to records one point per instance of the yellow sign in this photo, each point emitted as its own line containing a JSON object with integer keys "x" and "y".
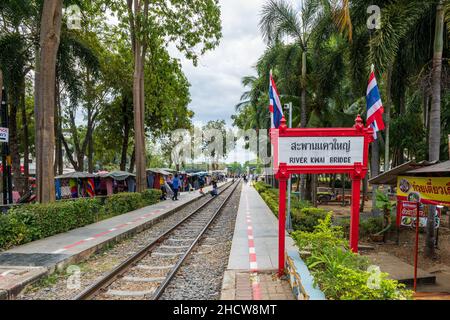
{"x": 424, "y": 189}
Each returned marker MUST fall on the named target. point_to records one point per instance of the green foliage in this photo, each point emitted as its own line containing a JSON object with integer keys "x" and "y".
{"x": 121, "y": 203}
{"x": 307, "y": 219}
{"x": 304, "y": 217}
{"x": 383, "y": 202}
{"x": 151, "y": 196}
{"x": 367, "y": 227}
{"x": 340, "y": 273}
{"x": 36, "y": 221}
{"x": 32, "y": 222}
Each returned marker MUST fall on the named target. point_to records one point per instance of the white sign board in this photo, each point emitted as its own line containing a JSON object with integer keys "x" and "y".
{"x": 320, "y": 151}
{"x": 4, "y": 135}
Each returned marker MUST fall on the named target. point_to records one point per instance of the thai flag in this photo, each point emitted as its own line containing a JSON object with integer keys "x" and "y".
{"x": 375, "y": 108}
{"x": 276, "y": 111}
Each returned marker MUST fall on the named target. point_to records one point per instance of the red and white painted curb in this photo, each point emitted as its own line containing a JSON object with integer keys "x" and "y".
{"x": 256, "y": 288}
{"x": 111, "y": 230}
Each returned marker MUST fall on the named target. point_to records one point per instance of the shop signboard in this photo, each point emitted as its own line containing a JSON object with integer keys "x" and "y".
{"x": 408, "y": 212}
{"x": 427, "y": 190}
{"x": 4, "y": 135}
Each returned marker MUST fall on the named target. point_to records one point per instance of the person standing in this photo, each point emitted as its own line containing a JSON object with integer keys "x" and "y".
{"x": 175, "y": 187}
{"x": 201, "y": 183}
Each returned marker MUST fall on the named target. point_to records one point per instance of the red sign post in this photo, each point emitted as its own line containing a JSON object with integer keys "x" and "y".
{"x": 320, "y": 150}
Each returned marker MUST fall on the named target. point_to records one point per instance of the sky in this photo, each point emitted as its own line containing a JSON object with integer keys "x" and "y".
{"x": 216, "y": 81}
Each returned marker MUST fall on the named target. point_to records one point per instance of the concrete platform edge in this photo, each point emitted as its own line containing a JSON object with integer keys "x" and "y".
{"x": 300, "y": 279}
{"x": 13, "y": 292}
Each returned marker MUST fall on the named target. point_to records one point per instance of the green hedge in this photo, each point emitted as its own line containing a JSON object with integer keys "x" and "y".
{"x": 342, "y": 274}
{"x": 307, "y": 219}
{"x": 32, "y": 222}
{"x": 151, "y": 196}
{"x": 304, "y": 217}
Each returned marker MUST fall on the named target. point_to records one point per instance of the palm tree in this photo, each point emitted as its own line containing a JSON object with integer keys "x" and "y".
{"x": 435, "y": 113}
{"x": 279, "y": 19}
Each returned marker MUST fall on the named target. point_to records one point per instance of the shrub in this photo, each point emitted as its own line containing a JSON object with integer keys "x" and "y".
{"x": 307, "y": 219}
{"x": 367, "y": 226}
{"x": 340, "y": 273}
{"x": 151, "y": 196}
{"x": 121, "y": 203}
{"x": 32, "y": 222}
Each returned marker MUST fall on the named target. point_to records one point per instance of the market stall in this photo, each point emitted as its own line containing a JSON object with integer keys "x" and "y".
{"x": 116, "y": 182}
{"x": 75, "y": 185}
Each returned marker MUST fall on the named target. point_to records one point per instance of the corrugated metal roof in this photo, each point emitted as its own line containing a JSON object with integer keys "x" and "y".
{"x": 440, "y": 168}
{"x": 390, "y": 177}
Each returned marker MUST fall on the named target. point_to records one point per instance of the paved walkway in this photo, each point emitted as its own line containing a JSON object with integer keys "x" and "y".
{"x": 253, "y": 258}
{"x": 24, "y": 264}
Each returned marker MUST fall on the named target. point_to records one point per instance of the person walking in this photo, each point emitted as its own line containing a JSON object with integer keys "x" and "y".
{"x": 201, "y": 183}
{"x": 175, "y": 187}
{"x": 214, "y": 191}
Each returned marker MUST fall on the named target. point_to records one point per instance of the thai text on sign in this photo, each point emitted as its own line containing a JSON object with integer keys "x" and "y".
{"x": 428, "y": 190}
{"x": 321, "y": 151}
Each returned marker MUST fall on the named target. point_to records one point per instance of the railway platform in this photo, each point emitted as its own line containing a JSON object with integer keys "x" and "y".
{"x": 253, "y": 262}
{"x": 26, "y": 264}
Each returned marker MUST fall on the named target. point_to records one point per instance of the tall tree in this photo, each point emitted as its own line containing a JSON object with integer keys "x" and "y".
{"x": 45, "y": 145}
{"x": 194, "y": 26}
{"x": 435, "y": 112}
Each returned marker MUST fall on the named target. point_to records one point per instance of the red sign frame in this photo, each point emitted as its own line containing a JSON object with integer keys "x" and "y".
{"x": 357, "y": 172}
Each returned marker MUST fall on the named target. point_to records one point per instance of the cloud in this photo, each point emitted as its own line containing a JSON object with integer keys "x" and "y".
{"x": 216, "y": 81}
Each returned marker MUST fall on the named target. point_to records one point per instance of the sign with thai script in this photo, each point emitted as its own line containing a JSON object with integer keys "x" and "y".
{"x": 408, "y": 211}
{"x": 4, "y": 135}
{"x": 428, "y": 190}
{"x": 321, "y": 151}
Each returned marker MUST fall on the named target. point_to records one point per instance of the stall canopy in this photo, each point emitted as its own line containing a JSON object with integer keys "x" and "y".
{"x": 118, "y": 175}
{"x": 76, "y": 175}
{"x": 390, "y": 177}
{"x": 160, "y": 171}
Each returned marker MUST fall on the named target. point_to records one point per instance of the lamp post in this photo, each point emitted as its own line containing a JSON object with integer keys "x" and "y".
{"x": 288, "y": 107}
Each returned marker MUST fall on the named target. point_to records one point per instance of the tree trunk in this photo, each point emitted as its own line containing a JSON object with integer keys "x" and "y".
{"x": 364, "y": 194}
{"x": 435, "y": 113}
{"x": 303, "y": 120}
{"x": 138, "y": 20}
{"x": 387, "y": 117}
{"x": 45, "y": 145}
{"x": 26, "y": 143}
{"x": 37, "y": 90}
{"x": 13, "y": 137}
{"x": 139, "y": 134}
{"x": 126, "y": 134}
{"x": 375, "y": 171}
{"x": 132, "y": 160}
{"x": 431, "y": 232}
{"x": 59, "y": 143}
{"x": 56, "y": 124}
{"x": 91, "y": 152}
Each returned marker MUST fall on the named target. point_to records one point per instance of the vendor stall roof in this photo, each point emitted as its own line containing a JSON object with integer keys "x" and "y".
{"x": 160, "y": 171}
{"x": 390, "y": 177}
{"x": 439, "y": 169}
{"x": 118, "y": 175}
{"x": 76, "y": 175}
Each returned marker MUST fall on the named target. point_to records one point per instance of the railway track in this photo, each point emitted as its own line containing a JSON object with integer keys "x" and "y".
{"x": 146, "y": 274}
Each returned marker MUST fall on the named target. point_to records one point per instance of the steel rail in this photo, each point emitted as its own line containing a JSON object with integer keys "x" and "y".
{"x": 114, "y": 274}
{"x": 159, "y": 291}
